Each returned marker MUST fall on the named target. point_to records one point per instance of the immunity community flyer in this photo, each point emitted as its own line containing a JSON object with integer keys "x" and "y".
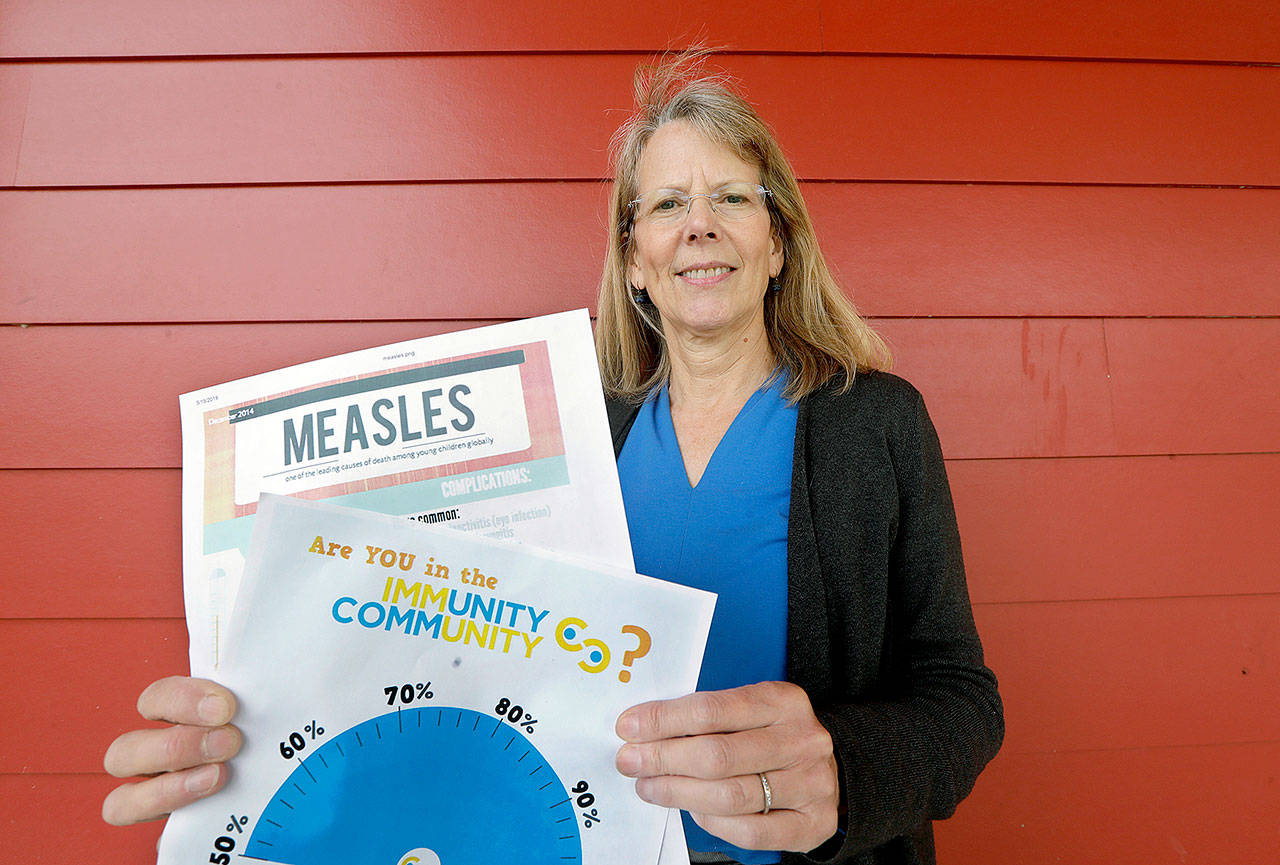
{"x": 413, "y": 695}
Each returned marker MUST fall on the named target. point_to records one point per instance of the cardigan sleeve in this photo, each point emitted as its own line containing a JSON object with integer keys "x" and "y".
{"x": 913, "y": 752}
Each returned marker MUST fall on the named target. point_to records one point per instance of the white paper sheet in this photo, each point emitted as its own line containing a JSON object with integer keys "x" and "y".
{"x": 498, "y": 430}
{"x": 411, "y": 695}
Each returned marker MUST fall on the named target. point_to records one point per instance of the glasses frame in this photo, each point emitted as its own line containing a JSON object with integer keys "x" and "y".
{"x": 711, "y": 201}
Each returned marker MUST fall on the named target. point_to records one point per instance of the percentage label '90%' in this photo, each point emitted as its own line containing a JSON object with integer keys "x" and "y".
{"x": 584, "y": 801}
{"x": 297, "y": 742}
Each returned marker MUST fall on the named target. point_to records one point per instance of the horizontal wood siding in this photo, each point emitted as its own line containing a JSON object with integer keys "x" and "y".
{"x": 1125, "y": 674}
{"x": 431, "y": 251}
{"x": 1234, "y": 30}
{"x": 1064, "y": 387}
{"x": 1211, "y": 803}
{"x": 504, "y": 117}
{"x": 1034, "y": 530}
{"x": 236, "y": 27}
{"x": 1238, "y": 30}
{"x": 1062, "y": 215}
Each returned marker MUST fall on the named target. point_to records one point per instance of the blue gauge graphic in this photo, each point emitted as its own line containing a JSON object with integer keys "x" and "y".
{"x": 424, "y": 785}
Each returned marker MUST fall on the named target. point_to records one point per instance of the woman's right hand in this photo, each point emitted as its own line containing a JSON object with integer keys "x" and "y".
{"x": 186, "y": 761}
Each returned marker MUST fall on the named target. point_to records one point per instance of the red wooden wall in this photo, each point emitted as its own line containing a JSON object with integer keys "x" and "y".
{"x": 1064, "y": 215}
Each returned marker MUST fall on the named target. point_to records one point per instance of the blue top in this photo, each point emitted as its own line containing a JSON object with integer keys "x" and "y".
{"x": 726, "y": 535}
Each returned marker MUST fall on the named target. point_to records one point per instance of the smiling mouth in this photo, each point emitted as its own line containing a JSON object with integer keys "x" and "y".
{"x": 704, "y": 272}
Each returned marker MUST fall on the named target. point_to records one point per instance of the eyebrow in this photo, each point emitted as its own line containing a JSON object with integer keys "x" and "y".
{"x": 685, "y": 189}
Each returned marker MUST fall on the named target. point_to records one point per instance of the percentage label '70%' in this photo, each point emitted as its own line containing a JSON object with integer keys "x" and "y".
{"x": 407, "y": 693}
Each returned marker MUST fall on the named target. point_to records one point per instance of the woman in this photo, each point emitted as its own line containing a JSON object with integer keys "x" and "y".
{"x": 759, "y": 381}
{"x": 844, "y": 703}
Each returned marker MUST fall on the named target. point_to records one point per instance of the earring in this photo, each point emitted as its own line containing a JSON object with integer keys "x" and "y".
{"x": 774, "y": 285}
{"x": 640, "y": 295}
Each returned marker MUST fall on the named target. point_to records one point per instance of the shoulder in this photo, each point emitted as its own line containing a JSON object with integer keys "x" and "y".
{"x": 621, "y": 413}
{"x": 876, "y": 401}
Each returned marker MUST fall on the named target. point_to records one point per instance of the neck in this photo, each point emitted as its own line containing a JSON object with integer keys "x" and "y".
{"x": 714, "y": 371}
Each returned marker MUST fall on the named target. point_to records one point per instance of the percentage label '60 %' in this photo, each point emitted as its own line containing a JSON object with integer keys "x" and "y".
{"x": 297, "y": 742}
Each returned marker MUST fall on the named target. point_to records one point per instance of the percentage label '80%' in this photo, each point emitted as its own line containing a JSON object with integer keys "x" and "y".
{"x": 517, "y": 715}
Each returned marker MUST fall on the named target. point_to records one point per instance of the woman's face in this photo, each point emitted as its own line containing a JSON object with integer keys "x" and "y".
{"x": 705, "y": 274}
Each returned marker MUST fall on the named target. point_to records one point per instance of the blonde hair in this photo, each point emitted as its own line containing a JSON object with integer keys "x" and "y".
{"x": 813, "y": 329}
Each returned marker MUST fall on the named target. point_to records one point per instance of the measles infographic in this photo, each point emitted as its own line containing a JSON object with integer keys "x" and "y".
{"x": 500, "y": 431}
{"x": 412, "y": 695}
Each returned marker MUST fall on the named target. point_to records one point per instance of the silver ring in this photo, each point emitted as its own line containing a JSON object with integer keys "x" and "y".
{"x": 768, "y": 793}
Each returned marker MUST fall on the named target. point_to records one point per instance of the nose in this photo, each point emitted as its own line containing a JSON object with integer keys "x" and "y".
{"x": 702, "y": 220}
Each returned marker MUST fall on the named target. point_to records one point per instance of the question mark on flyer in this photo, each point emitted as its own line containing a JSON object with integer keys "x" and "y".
{"x": 568, "y": 629}
{"x": 629, "y": 657}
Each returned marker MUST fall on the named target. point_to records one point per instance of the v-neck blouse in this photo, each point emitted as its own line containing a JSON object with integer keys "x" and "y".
{"x": 727, "y": 534}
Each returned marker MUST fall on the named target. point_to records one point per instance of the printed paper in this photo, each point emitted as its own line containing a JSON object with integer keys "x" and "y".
{"x": 413, "y": 695}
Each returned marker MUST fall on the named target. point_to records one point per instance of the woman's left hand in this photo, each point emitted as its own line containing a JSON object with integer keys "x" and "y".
{"x": 705, "y": 753}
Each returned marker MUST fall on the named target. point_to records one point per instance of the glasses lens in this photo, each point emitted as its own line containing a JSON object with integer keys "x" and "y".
{"x": 738, "y": 201}
{"x": 664, "y": 205}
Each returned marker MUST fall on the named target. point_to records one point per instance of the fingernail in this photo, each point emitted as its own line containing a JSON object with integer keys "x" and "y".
{"x": 628, "y": 760}
{"x": 214, "y": 710}
{"x": 219, "y": 744}
{"x": 628, "y": 726}
{"x": 201, "y": 781}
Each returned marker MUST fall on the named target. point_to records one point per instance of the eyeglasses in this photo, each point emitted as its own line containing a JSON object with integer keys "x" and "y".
{"x": 671, "y": 206}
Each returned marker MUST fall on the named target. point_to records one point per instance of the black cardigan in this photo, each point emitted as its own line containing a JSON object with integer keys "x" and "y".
{"x": 880, "y": 633}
